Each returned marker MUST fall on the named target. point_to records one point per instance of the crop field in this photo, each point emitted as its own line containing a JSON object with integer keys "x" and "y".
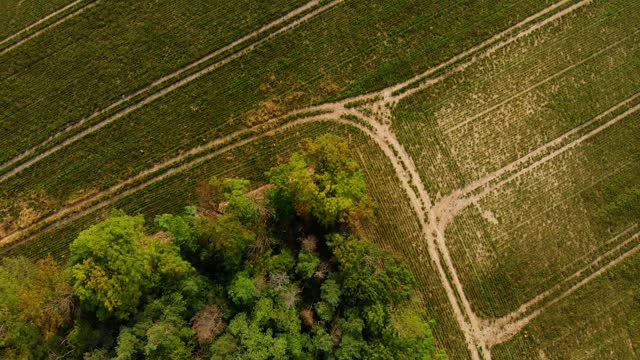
{"x": 500, "y": 140}
{"x": 20, "y": 17}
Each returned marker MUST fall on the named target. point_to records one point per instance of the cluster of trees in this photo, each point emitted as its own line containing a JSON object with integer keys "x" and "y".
{"x": 277, "y": 274}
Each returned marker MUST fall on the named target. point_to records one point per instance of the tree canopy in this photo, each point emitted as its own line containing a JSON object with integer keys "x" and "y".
{"x": 290, "y": 277}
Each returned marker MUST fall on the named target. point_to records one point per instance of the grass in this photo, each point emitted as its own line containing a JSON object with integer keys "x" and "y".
{"x": 396, "y": 227}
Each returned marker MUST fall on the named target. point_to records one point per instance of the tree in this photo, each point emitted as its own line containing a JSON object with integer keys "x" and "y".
{"x": 367, "y": 274}
{"x": 114, "y": 264}
{"x": 36, "y": 301}
{"x": 224, "y": 242}
{"x": 208, "y": 323}
{"x": 160, "y": 331}
{"x": 307, "y": 264}
{"x": 352, "y": 343}
{"x": 330, "y": 299}
{"x": 243, "y": 290}
{"x": 181, "y": 229}
{"x": 238, "y": 203}
{"x": 320, "y": 182}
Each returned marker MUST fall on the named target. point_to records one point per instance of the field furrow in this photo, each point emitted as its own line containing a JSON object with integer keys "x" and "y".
{"x": 503, "y": 329}
{"x": 598, "y": 320}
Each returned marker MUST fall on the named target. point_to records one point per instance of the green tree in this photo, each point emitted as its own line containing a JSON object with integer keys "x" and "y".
{"x": 224, "y": 242}
{"x": 160, "y": 331}
{"x": 244, "y": 208}
{"x": 330, "y": 299}
{"x": 35, "y": 303}
{"x": 181, "y": 229}
{"x": 114, "y": 264}
{"x": 243, "y": 290}
{"x": 367, "y": 274}
{"x": 352, "y": 343}
{"x": 319, "y": 182}
{"x": 307, "y": 264}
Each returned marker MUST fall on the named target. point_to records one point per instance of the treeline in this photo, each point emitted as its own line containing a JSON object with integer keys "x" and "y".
{"x": 277, "y": 273}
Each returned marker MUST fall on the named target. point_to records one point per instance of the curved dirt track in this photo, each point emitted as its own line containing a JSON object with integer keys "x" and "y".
{"x": 481, "y": 49}
{"x": 334, "y": 113}
{"x": 47, "y": 27}
{"x": 480, "y": 334}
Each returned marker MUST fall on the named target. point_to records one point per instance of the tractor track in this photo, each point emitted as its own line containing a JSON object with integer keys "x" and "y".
{"x": 158, "y": 89}
{"x": 434, "y": 218}
{"x": 74, "y": 13}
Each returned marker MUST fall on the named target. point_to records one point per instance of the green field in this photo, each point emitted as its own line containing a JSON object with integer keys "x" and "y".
{"x": 506, "y": 173}
{"x": 16, "y": 15}
{"x": 250, "y": 162}
{"x": 582, "y": 328}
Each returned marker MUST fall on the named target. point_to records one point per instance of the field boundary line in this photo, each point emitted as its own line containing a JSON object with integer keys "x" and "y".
{"x": 158, "y": 93}
{"x": 540, "y": 83}
{"x": 46, "y": 27}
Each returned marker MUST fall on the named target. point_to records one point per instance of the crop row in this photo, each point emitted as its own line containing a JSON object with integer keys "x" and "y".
{"x": 17, "y": 16}
{"x": 215, "y": 104}
{"x": 550, "y": 221}
{"x": 522, "y": 94}
{"x": 395, "y": 227}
